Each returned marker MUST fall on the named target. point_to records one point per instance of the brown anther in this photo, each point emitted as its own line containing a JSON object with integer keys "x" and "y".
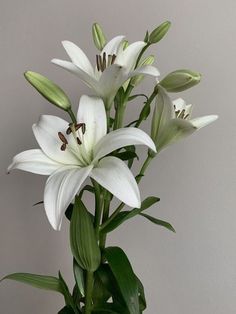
{"x": 78, "y": 141}
{"x": 63, "y": 147}
{"x": 104, "y": 61}
{"x": 98, "y": 63}
{"x": 68, "y": 131}
{"x": 181, "y": 115}
{"x": 83, "y": 128}
{"x": 62, "y": 138}
{"x": 187, "y": 115}
{"x": 113, "y": 58}
{"x": 78, "y": 126}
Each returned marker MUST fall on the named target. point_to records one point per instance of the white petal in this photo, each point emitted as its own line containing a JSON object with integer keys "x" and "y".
{"x": 46, "y": 134}
{"x": 121, "y": 138}
{"x": 114, "y": 175}
{"x": 179, "y": 104}
{"x": 203, "y": 121}
{"x": 92, "y": 112}
{"x": 60, "y": 190}
{"x": 113, "y": 45}
{"x": 146, "y": 69}
{"x": 35, "y": 161}
{"x": 128, "y": 57}
{"x": 110, "y": 81}
{"x": 78, "y": 57}
{"x": 69, "y": 66}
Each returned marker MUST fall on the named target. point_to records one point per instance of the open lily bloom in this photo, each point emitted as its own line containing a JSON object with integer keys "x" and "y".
{"x": 172, "y": 120}
{"x": 70, "y": 153}
{"x": 114, "y": 66}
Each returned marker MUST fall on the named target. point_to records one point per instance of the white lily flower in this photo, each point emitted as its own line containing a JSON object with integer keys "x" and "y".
{"x": 114, "y": 66}
{"x": 172, "y": 120}
{"x": 71, "y": 153}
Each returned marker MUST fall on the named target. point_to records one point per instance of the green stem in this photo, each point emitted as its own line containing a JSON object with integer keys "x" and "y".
{"x": 72, "y": 116}
{"x": 98, "y": 207}
{"x": 103, "y": 236}
{"x": 88, "y": 292}
{"x": 141, "y": 53}
{"x": 149, "y": 101}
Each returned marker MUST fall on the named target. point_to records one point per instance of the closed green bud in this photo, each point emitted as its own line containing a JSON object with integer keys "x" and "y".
{"x": 49, "y": 90}
{"x": 83, "y": 239}
{"x": 138, "y": 78}
{"x": 180, "y": 80}
{"x": 98, "y": 36}
{"x": 158, "y": 33}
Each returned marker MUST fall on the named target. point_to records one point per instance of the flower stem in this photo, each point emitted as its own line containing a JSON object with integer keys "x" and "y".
{"x": 88, "y": 292}
{"x": 107, "y": 200}
{"x": 72, "y": 115}
{"x": 98, "y": 207}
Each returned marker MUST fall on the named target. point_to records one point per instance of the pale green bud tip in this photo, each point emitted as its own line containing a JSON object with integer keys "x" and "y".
{"x": 49, "y": 90}
{"x": 158, "y": 33}
{"x": 180, "y": 80}
{"x": 138, "y": 78}
{"x": 98, "y": 36}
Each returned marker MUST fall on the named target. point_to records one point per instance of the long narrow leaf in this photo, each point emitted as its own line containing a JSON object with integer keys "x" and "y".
{"x": 125, "y": 215}
{"x": 159, "y": 222}
{"x": 37, "y": 281}
{"x": 125, "y": 277}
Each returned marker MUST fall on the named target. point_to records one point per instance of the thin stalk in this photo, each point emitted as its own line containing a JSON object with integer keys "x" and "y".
{"x": 98, "y": 207}
{"x": 106, "y": 209}
{"x": 149, "y": 101}
{"x": 72, "y": 116}
{"x": 88, "y": 292}
{"x": 141, "y": 53}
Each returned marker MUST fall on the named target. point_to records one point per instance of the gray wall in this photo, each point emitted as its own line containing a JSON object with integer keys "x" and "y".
{"x": 193, "y": 271}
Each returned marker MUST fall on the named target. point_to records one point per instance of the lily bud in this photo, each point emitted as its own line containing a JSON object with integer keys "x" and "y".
{"x": 98, "y": 36}
{"x": 138, "y": 78}
{"x": 158, "y": 33}
{"x": 49, "y": 90}
{"x": 180, "y": 80}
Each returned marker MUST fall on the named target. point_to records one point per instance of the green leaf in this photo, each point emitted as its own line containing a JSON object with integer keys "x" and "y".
{"x": 126, "y": 155}
{"x": 109, "y": 282}
{"x": 66, "y": 310}
{"x": 65, "y": 290}
{"x": 142, "y": 298}
{"x": 159, "y": 222}
{"x": 100, "y": 293}
{"x": 132, "y": 97}
{"x": 49, "y": 90}
{"x": 125, "y": 277}
{"x": 79, "y": 277}
{"x": 125, "y": 215}
{"x": 37, "y": 281}
{"x": 38, "y": 203}
{"x": 83, "y": 240}
{"x": 87, "y": 188}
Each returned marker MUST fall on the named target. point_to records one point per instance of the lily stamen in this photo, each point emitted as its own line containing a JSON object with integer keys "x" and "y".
{"x": 62, "y": 138}
{"x": 104, "y": 61}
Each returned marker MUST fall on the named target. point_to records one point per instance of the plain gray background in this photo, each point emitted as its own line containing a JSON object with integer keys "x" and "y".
{"x": 192, "y": 271}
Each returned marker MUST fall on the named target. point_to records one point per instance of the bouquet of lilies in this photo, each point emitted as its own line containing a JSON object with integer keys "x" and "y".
{"x": 93, "y": 151}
